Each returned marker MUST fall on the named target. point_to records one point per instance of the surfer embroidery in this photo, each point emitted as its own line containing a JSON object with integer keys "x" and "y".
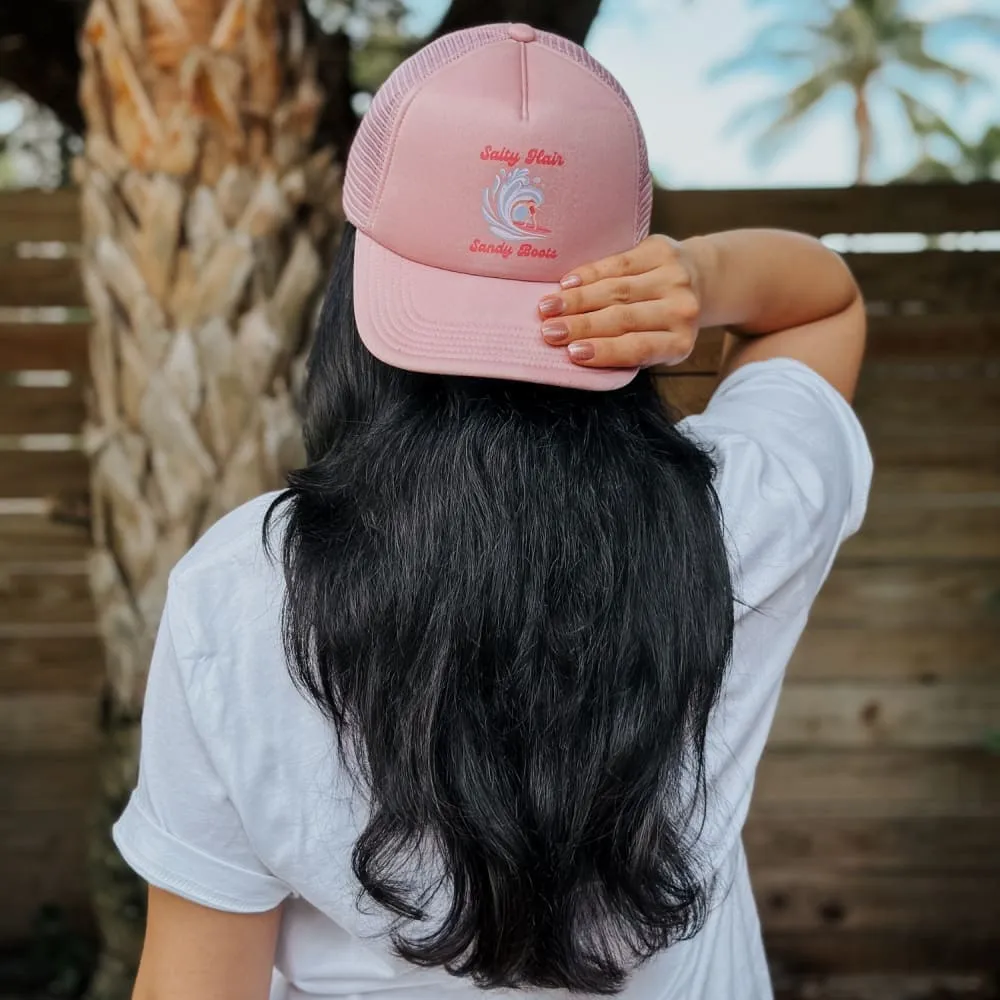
{"x": 510, "y": 206}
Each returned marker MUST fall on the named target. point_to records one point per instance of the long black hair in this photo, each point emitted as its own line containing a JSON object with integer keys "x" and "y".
{"x": 513, "y": 601}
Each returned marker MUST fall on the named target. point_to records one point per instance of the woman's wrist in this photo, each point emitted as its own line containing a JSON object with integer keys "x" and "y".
{"x": 757, "y": 281}
{"x": 703, "y": 259}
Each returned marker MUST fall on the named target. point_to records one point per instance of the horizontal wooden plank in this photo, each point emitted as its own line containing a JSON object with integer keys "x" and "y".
{"x": 853, "y": 714}
{"x": 942, "y": 394}
{"x": 930, "y": 486}
{"x": 44, "y": 593}
{"x": 849, "y": 844}
{"x": 41, "y": 410}
{"x": 791, "y": 899}
{"x": 932, "y": 354}
{"x": 43, "y": 826}
{"x": 31, "y": 537}
{"x": 43, "y": 473}
{"x": 933, "y": 337}
{"x": 878, "y": 654}
{"x": 40, "y": 281}
{"x": 48, "y": 723}
{"x": 898, "y": 445}
{"x": 836, "y": 951}
{"x": 912, "y": 339}
{"x": 902, "y": 531}
{"x": 43, "y": 347}
{"x": 930, "y": 208}
{"x": 922, "y": 595}
{"x": 945, "y": 282}
{"x": 36, "y": 216}
{"x": 870, "y": 783}
{"x": 906, "y": 208}
{"x": 942, "y": 985}
{"x": 45, "y": 664}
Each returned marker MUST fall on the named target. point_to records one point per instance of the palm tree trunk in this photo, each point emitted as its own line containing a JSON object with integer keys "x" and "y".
{"x": 866, "y": 137}
{"x": 209, "y": 218}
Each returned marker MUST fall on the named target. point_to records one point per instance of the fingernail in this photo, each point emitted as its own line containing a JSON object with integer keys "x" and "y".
{"x": 571, "y": 281}
{"x": 551, "y": 305}
{"x": 555, "y": 332}
{"x": 581, "y": 352}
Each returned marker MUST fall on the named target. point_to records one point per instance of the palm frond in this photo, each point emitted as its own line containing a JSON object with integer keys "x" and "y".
{"x": 797, "y": 105}
{"x": 974, "y": 24}
{"x": 776, "y": 60}
{"x": 912, "y": 55}
{"x": 768, "y": 48}
{"x": 924, "y": 120}
{"x": 929, "y": 169}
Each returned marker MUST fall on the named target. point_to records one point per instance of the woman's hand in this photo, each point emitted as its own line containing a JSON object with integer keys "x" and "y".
{"x": 637, "y": 308}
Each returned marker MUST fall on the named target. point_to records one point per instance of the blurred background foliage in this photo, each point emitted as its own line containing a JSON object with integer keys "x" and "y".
{"x": 879, "y": 52}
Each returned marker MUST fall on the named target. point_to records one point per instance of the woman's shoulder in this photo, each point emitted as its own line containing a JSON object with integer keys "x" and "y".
{"x": 794, "y": 474}
{"x": 229, "y": 584}
{"x": 235, "y": 539}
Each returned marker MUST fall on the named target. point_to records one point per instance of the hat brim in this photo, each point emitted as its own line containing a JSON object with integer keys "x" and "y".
{"x": 427, "y": 319}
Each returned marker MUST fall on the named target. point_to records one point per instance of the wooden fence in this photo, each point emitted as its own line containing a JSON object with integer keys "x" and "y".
{"x": 876, "y": 822}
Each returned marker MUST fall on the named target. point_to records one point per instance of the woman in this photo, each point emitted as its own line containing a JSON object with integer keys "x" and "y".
{"x": 477, "y": 702}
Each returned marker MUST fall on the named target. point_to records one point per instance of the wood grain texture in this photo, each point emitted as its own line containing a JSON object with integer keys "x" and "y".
{"x": 952, "y": 595}
{"x": 907, "y": 208}
{"x": 930, "y": 208}
{"x": 32, "y": 662}
{"x": 878, "y": 784}
{"x": 53, "y": 722}
{"x": 956, "y": 394}
{"x": 41, "y": 410}
{"x": 44, "y": 594}
{"x": 942, "y": 281}
{"x": 897, "y": 530}
{"x": 46, "y": 801}
{"x": 43, "y": 346}
{"x": 895, "y": 338}
{"x": 792, "y": 899}
{"x": 877, "y": 654}
{"x": 36, "y": 216}
{"x": 853, "y": 715}
{"x": 43, "y": 473}
{"x": 833, "y": 950}
{"x": 35, "y": 537}
{"x": 40, "y": 281}
{"x": 929, "y": 337}
{"x": 847, "y": 843}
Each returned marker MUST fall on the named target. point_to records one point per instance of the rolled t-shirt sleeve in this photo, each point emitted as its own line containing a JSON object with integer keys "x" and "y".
{"x": 180, "y": 830}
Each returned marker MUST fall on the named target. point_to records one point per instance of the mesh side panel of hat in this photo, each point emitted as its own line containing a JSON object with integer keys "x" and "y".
{"x": 371, "y": 144}
{"x": 368, "y": 158}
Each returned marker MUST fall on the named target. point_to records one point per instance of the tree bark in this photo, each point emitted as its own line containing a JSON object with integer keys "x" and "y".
{"x": 209, "y": 218}
{"x": 865, "y": 134}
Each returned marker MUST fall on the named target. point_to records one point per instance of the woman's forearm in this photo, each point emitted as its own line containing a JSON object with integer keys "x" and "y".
{"x": 757, "y": 281}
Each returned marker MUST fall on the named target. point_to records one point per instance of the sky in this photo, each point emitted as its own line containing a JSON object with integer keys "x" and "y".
{"x": 661, "y": 51}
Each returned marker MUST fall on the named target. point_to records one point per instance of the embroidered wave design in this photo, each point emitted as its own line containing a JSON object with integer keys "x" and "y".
{"x": 510, "y": 206}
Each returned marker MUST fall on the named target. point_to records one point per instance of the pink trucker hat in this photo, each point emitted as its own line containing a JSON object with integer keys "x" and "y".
{"x": 490, "y": 163}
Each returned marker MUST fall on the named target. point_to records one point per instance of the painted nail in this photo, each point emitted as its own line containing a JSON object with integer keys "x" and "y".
{"x": 571, "y": 281}
{"x": 555, "y": 332}
{"x": 551, "y": 305}
{"x": 581, "y": 352}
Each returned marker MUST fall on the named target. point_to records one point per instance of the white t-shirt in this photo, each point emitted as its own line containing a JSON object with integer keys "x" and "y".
{"x": 241, "y": 803}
